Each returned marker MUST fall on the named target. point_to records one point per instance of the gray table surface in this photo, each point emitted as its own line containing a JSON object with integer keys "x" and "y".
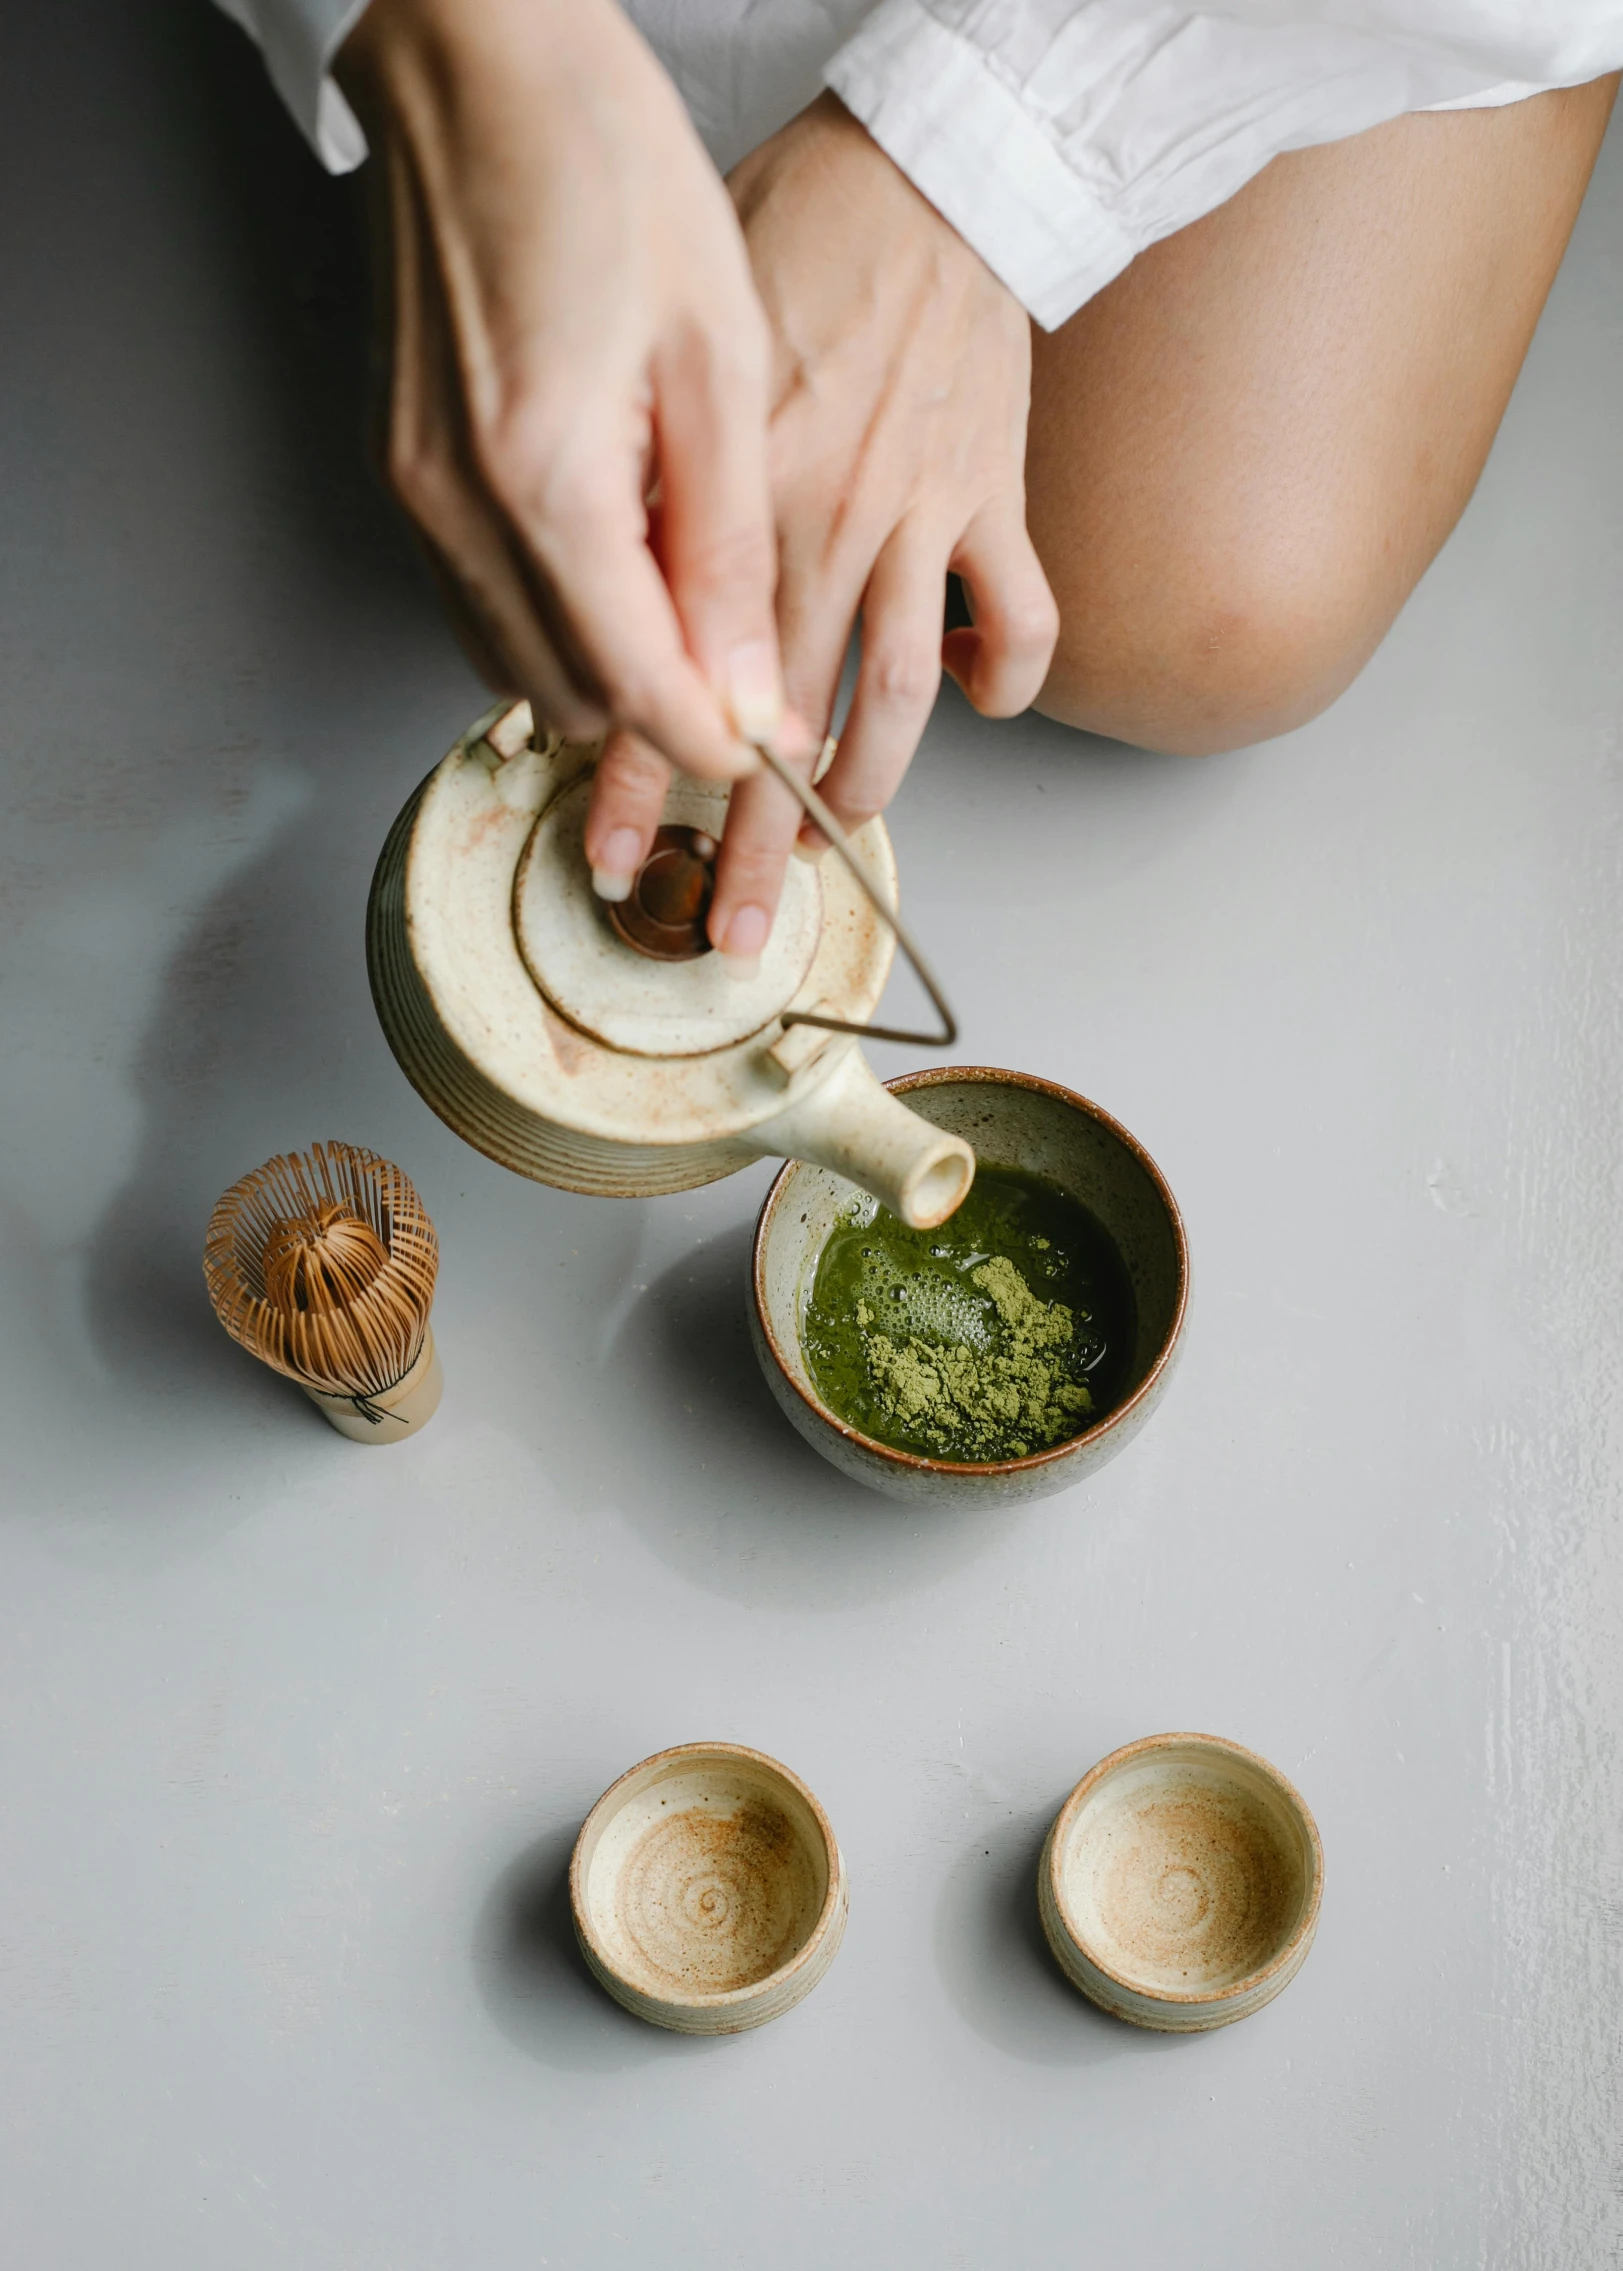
{"x": 294, "y": 1736}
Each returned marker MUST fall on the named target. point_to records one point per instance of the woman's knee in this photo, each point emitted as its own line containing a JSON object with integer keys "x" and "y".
{"x": 1245, "y": 451}
{"x": 1221, "y": 647}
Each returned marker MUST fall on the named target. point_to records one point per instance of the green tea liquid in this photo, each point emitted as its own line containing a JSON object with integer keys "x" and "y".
{"x": 1004, "y": 1331}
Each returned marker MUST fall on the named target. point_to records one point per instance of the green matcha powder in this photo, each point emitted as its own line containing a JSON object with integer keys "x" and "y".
{"x": 1000, "y": 1333}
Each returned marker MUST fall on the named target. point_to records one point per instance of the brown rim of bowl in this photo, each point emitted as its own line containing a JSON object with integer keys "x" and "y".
{"x": 936, "y": 1077}
{"x": 1084, "y": 1790}
{"x": 722, "y": 1996}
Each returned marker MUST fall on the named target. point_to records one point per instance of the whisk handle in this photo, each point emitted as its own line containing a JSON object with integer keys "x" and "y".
{"x": 400, "y": 1411}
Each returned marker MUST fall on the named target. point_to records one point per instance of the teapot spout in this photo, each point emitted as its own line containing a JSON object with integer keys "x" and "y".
{"x": 850, "y": 1123}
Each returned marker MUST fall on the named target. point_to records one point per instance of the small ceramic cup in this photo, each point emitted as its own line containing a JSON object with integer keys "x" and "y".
{"x": 1013, "y": 1120}
{"x": 1179, "y": 1886}
{"x": 707, "y": 1888}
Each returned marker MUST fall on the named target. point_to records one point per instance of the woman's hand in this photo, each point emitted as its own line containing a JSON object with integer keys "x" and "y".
{"x": 573, "y": 332}
{"x": 901, "y": 378}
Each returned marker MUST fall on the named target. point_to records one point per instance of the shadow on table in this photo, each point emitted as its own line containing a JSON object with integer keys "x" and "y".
{"x": 535, "y": 1984}
{"x": 271, "y": 739}
{"x": 996, "y": 1966}
{"x": 718, "y": 1484}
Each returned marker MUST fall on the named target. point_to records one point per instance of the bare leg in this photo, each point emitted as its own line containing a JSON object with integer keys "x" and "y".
{"x": 1245, "y": 453}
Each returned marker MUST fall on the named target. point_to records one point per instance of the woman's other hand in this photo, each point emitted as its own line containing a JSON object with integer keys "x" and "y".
{"x": 900, "y": 387}
{"x": 573, "y": 332}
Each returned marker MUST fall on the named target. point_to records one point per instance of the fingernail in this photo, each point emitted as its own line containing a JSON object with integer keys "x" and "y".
{"x": 754, "y": 690}
{"x": 741, "y": 947}
{"x": 615, "y": 869}
{"x": 810, "y": 849}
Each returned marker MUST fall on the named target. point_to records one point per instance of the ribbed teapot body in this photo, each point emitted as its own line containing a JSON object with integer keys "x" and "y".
{"x": 506, "y": 1066}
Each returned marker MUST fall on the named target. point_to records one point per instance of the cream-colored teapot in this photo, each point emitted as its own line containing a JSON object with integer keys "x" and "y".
{"x": 603, "y": 1049}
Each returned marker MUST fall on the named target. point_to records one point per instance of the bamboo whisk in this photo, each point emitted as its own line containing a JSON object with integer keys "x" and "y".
{"x": 322, "y": 1264}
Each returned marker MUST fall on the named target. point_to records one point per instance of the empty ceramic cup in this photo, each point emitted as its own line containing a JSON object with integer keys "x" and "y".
{"x": 1013, "y": 1120}
{"x": 708, "y": 1891}
{"x": 1179, "y": 1886}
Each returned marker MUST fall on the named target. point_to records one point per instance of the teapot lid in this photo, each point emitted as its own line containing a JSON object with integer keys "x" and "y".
{"x": 607, "y": 984}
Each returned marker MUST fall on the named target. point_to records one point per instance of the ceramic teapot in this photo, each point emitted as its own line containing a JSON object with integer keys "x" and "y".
{"x": 606, "y": 1050}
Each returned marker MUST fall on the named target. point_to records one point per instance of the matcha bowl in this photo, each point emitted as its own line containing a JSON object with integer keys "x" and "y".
{"x": 1012, "y": 1120}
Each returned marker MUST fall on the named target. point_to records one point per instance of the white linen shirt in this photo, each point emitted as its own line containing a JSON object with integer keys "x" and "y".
{"x": 1059, "y": 137}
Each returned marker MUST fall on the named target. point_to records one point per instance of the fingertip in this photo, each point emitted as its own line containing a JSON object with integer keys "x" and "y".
{"x": 1002, "y": 659}
{"x": 628, "y": 797}
{"x": 754, "y": 686}
{"x": 994, "y": 683}
{"x": 743, "y": 940}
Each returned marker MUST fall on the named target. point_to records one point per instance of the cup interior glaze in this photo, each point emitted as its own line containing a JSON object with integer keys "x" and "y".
{"x": 700, "y": 1881}
{"x": 1182, "y": 1881}
{"x": 1012, "y": 1120}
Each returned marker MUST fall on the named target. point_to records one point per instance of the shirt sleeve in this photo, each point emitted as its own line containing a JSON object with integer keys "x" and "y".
{"x": 1060, "y": 137}
{"x": 299, "y": 39}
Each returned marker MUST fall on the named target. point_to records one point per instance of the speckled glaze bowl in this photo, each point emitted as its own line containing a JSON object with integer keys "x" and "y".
{"x": 1013, "y": 1120}
{"x": 1179, "y": 1886}
{"x": 707, "y": 1888}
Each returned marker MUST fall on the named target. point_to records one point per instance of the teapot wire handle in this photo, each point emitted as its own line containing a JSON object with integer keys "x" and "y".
{"x": 819, "y": 814}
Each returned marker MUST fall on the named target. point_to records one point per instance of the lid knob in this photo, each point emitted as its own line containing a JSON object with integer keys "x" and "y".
{"x": 663, "y": 915}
